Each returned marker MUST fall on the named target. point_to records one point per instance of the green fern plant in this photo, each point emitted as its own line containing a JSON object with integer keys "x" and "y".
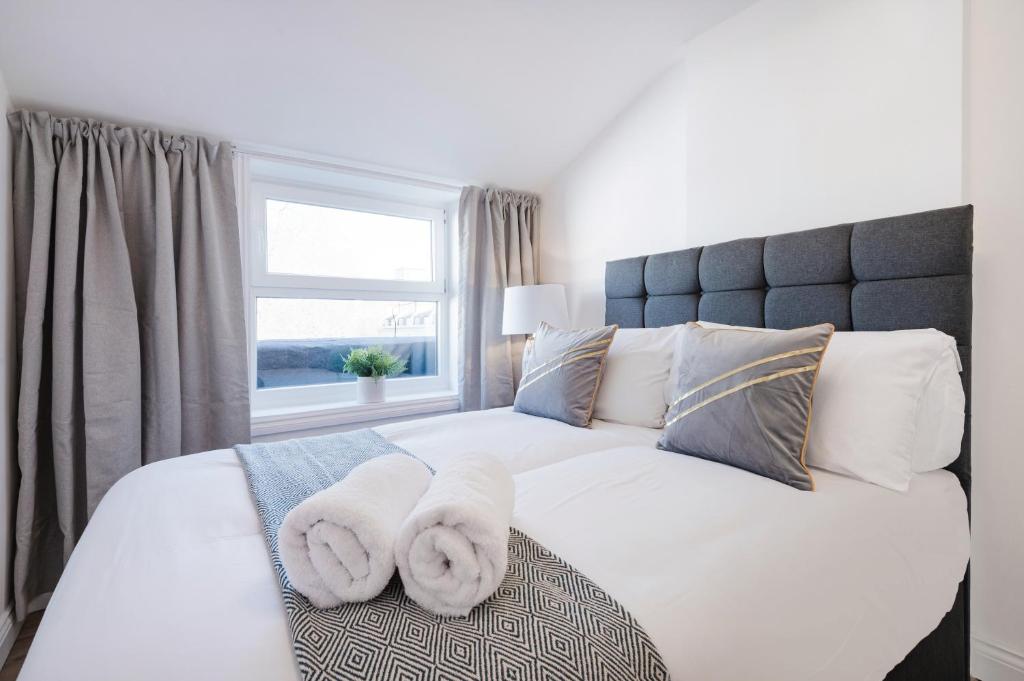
{"x": 373, "y": 362}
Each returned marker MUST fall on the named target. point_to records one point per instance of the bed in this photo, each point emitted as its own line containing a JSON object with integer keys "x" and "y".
{"x": 732, "y": 575}
{"x": 905, "y": 272}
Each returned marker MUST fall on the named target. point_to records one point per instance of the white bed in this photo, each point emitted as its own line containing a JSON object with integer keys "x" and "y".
{"x": 172, "y": 578}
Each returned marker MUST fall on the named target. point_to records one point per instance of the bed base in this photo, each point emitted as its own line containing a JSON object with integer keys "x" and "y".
{"x": 943, "y": 655}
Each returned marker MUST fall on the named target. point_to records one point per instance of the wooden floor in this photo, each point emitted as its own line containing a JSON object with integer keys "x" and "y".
{"x": 20, "y": 649}
{"x": 28, "y": 630}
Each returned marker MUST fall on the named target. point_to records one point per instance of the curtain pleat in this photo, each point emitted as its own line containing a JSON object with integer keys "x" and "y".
{"x": 129, "y": 319}
{"x": 498, "y": 248}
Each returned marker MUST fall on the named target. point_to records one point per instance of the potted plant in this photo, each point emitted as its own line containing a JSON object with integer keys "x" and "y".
{"x": 371, "y": 366}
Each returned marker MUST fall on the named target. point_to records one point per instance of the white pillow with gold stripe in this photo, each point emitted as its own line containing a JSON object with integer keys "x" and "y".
{"x": 562, "y": 372}
{"x": 745, "y": 399}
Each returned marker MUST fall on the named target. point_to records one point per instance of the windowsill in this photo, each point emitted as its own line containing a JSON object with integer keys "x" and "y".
{"x": 277, "y": 421}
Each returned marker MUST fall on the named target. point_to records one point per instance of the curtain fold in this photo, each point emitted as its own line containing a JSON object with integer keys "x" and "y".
{"x": 129, "y": 319}
{"x": 498, "y": 247}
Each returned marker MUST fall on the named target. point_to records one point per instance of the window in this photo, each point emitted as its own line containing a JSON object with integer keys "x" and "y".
{"x": 332, "y": 267}
{"x": 324, "y": 241}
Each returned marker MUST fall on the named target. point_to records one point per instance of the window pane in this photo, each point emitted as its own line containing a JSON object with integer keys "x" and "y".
{"x": 303, "y": 341}
{"x": 330, "y": 242}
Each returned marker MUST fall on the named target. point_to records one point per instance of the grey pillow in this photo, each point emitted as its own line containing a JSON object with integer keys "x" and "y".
{"x": 743, "y": 398}
{"x": 561, "y": 373}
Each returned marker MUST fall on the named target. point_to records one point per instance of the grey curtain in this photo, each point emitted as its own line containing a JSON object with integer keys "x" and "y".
{"x": 129, "y": 319}
{"x": 498, "y": 247}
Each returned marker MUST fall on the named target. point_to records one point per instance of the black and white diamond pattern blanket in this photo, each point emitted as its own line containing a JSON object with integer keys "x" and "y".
{"x": 546, "y": 620}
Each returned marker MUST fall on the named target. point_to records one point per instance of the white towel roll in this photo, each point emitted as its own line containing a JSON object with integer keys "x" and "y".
{"x": 339, "y": 544}
{"x": 452, "y": 550}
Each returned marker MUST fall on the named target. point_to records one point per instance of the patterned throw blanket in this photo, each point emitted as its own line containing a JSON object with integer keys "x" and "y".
{"x": 546, "y": 620}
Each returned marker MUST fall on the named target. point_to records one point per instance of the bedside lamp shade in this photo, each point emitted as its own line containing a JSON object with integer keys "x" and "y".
{"x": 527, "y": 306}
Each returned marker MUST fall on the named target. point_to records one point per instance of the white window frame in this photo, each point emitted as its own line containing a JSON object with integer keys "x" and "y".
{"x": 330, "y": 402}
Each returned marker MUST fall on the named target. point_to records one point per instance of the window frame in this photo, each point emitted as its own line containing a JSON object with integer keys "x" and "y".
{"x": 261, "y": 283}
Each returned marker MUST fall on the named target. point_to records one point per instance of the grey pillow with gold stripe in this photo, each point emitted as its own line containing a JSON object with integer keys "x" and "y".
{"x": 561, "y": 373}
{"x": 744, "y": 398}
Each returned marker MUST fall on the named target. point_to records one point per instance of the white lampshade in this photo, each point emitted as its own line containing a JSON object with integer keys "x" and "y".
{"x": 527, "y": 306}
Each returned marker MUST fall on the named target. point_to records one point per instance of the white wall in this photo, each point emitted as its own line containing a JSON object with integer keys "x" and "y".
{"x": 995, "y": 184}
{"x": 7, "y": 456}
{"x": 625, "y": 195}
{"x": 792, "y": 114}
{"x": 804, "y": 114}
{"x": 799, "y": 113}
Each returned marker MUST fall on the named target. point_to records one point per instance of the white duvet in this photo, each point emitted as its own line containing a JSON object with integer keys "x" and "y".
{"x": 733, "y": 576}
{"x": 521, "y": 442}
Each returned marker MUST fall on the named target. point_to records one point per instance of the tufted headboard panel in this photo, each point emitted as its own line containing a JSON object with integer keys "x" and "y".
{"x": 907, "y": 272}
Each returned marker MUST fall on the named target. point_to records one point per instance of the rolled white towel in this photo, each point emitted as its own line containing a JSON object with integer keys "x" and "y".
{"x": 339, "y": 544}
{"x": 452, "y": 550}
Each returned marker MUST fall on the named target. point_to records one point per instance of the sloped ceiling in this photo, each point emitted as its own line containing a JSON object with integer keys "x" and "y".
{"x": 501, "y": 91}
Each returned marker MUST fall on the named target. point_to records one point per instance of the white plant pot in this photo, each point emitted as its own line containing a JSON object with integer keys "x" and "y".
{"x": 369, "y": 389}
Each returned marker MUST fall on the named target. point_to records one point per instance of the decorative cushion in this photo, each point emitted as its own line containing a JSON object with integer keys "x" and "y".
{"x": 562, "y": 372}
{"x": 744, "y": 399}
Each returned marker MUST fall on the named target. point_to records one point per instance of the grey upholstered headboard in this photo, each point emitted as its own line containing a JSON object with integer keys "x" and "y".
{"x": 907, "y": 272}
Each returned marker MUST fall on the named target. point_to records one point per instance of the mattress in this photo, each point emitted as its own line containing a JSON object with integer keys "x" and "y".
{"x": 733, "y": 576}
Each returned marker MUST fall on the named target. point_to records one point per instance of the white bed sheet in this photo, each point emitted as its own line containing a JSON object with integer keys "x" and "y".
{"x": 734, "y": 576}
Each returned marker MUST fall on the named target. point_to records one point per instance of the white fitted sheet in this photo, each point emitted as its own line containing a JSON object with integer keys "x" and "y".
{"x": 734, "y": 576}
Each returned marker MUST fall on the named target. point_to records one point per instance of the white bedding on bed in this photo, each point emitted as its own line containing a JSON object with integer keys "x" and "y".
{"x": 519, "y": 441}
{"x": 734, "y": 576}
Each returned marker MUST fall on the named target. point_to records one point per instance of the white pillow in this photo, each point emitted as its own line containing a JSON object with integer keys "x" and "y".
{"x": 636, "y": 369}
{"x": 887, "y": 404}
{"x": 940, "y": 418}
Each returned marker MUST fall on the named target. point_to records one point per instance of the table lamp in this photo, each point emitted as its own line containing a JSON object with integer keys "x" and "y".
{"x": 527, "y": 306}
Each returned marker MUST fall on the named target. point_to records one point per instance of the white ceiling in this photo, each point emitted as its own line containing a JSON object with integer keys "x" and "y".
{"x": 502, "y": 91}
